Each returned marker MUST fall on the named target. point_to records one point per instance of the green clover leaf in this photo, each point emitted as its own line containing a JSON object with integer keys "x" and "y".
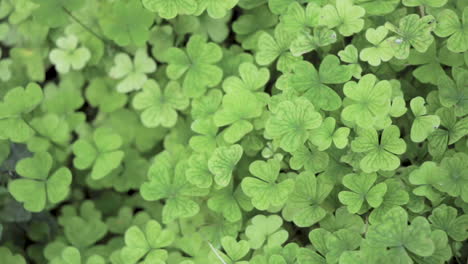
{"x": 5, "y": 72}
{"x": 127, "y": 23}
{"x": 412, "y": 31}
{"x": 51, "y": 131}
{"x": 146, "y": 243}
{"x": 381, "y": 51}
{"x": 323, "y": 136}
{"x": 452, "y": 93}
{"x": 54, "y": 13}
{"x": 426, "y": 177}
{"x": 350, "y": 55}
{"x": 276, "y": 48}
{"x": 344, "y": 16}
{"x": 7, "y": 257}
{"x": 266, "y": 231}
{"x": 222, "y": 163}
{"x": 395, "y": 196}
{"x": 400, "y": 239}
{"x": 367, "y": 101}
{"x": 238, "y": 107}
{"x": 65, "y": 100}
{"x": 251, "y": 78}
{"x": 103, "y": 153}
{"x": 448, "y": 25}
{"x": 159, "y": 108}
{"x": 101, "y": 94}
{"x": 230, "y": 203}
{"x": 446, "y": 218}
{"x": 216, "y": 9}
{"x": 306, "y": 42}
{"x": 362, "y": 189}
{"x": 16, "y": 104}
{"x": 313, "y": 84}
{"x": 264, "y": 189}
{"x": 37, "y": 188}
{"x": 198, "y": 172}
{"x": 378, "y": 7}
{"x": 170, "y": 8}
{"x": 429, "y": 3}
{"x": 341, "y": 241}
{"x": 297, "y": 19}
{"x": 132, "y": 74}
{"x": 235, "y": 251}
{"x": 423, "y": 124}
{"x": 69, "y": 55}
{"x": 196, "y": 64}
{"x": 172, "y": 185}
{"x": 71, "y": 255}
{"x": 380, "y": 153}
{"x": 304, "y": 205}
{"x": 432, "y": 62}
{"x": 85, "y": 229}
{"x": 455, "y": 183}
{"x": 310, "y": 158}
{"x": 291, "y": 123}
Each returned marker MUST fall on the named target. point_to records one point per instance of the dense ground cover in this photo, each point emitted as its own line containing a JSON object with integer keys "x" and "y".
{"x": 233, "y": 131}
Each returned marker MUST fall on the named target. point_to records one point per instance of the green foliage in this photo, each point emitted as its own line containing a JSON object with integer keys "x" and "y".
{"x": 146, "y": 243}
{"x": 38, "y": 187}
{"x": 102, "y": 154}
{"x": 68, "y": 55}
{"x": 234, "y": 131}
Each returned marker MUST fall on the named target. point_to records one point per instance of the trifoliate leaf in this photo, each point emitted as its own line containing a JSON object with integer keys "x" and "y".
{"x": 314, "y": 85}
{"x": 116, "y": 23}
{"x": 429, "y": 3}
{"x": 345, "y": 16}
{"x": 381, "y": 50}
{"x": 222, "y": 163}
{"x": 449, "y": 25}
{"x": 132, "y": 74}
{"x": 380, "y": 153}
{"x": 146, "y": 243}
{"x": 304, "y": 205}
{"x": 159, "y": 107}
{"x": 264, "y": 189}
{"x": 266, "y": 230}
{"x": 362, "y": 189}
{"x": 412, "y": 31}
{"x": 102, "y": 154}
{"x": 169, "y": 8}
{"x": 446, "y": 218}
{"x": 400, "y": 238}
{"x": 276, "y": 48}
{"x": 68, "y": 56}
{"x": 71, "y": 255}
{"x": 323, "y": 136}
{"x": 195, "y": 65}
{"x": 423, "y": 124}
{"x": 306, "y": 42}
{"x": 452, "y": 92}
{"x": 37, "y": 188}
{"x": 7, "y": 257}
{"x": 15, "y": 105}
{"x": 171, "y": 184}
{"x": 291, "y": 123}
{"x": 367, "y": 101}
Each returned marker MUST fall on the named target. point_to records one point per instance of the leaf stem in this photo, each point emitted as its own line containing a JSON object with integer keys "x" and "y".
{"x": 91, "y": 31}
{"x": 422, "y": 12}
{"x": 215, "y": 251}
{"x": 83, "y": 24}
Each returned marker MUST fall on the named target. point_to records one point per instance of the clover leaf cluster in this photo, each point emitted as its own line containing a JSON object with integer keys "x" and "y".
{"x": 234, "y": 131}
